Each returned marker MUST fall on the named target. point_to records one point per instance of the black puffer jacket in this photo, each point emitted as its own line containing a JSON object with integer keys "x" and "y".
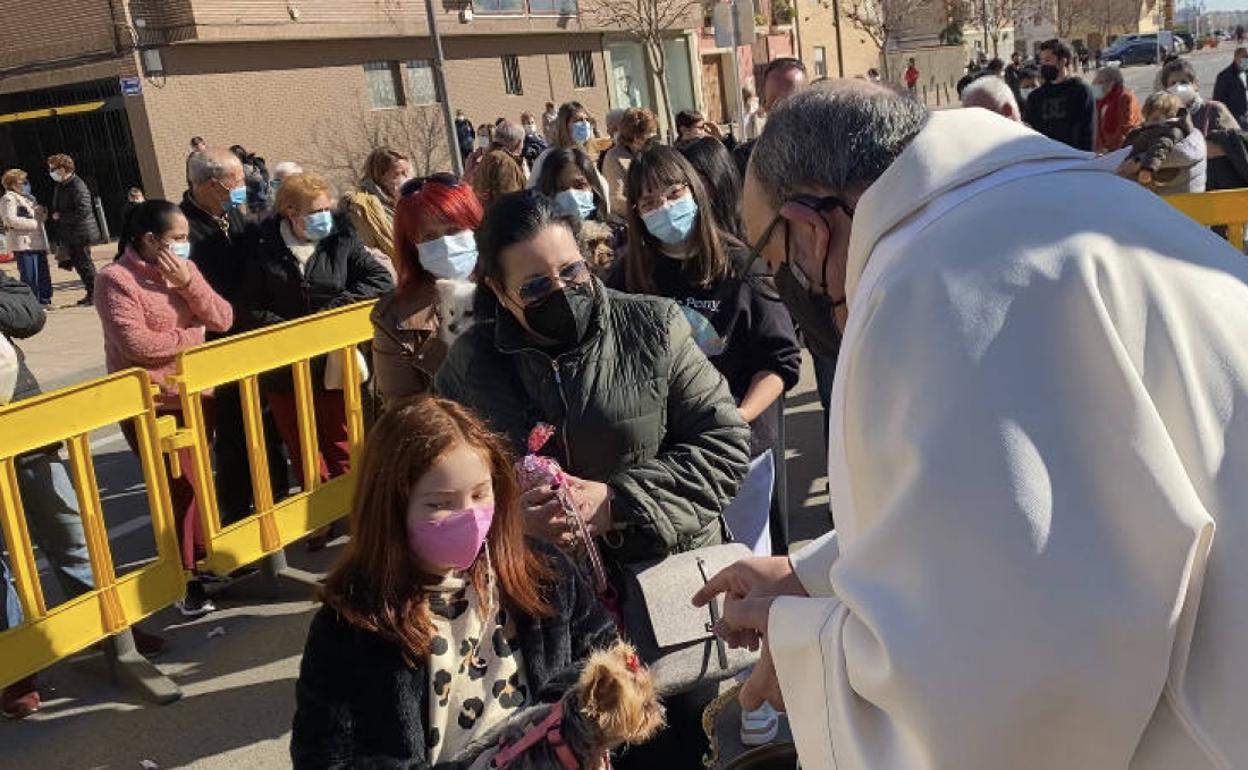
{"x": 639, "y": 406}
{"x": 21, "y": 316}
{"x": 275, "y": 289}
{"x": 75, "y": 225}
{"x": 218, "y": 249}
{"x": 358, "y": 704}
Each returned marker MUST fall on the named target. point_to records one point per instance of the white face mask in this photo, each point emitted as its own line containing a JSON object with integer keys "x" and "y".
{"x": 57, "y": 175}
{"x": 452, "y": 256}
{"x": 1186, "y": 93}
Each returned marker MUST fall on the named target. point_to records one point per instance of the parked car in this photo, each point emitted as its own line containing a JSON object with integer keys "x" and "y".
{"x": 1137, "y": 52}
{"x": 1188, "y": 40}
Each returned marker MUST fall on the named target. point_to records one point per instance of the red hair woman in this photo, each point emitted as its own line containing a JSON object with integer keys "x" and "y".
{"x": 433, "y": 239}
{"x": 441, "y": 620}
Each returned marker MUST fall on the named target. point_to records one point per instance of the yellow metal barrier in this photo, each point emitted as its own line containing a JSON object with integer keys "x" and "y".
{"x": 242, "y": 359}
{"x": 1227, "y": 208}
{"x": 46, "y": 636}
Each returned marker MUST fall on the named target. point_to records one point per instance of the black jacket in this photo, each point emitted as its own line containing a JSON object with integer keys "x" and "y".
{"x": 76, "y": 225}
{"x": 21, "y": 316}
{"x": 1229, "y": 90}
{"x": 751, "y": 333}
{"x": 638, "y": 406}
{"x": 340, "y": 272}
{"x": 358, "y": 704}
{"x": 218, "y": 249}
{"x": 1064, "y": 112}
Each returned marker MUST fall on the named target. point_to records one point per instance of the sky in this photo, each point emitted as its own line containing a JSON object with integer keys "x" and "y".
{"x": 1224, "y": 5}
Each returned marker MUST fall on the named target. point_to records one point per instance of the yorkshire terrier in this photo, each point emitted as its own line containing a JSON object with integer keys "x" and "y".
{"x": 612, "y": 704}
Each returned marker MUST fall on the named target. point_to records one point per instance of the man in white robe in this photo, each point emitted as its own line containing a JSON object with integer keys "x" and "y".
{"x": 1038, "y": 457}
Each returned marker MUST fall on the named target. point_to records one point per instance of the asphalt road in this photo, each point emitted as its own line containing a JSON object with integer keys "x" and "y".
{"x": 1207, "y": 64}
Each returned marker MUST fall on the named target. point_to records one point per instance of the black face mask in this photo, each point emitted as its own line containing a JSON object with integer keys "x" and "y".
{"x": 813, "y": 311}
{"x": 563, "y": 316}
{"x": 1048, "y": 73}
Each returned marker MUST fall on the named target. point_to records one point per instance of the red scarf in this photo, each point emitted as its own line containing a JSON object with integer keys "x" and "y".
{"x": 1110, "y": 117}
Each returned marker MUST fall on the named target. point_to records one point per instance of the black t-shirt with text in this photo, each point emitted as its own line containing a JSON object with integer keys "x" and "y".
{"x": 1064, "y": 112}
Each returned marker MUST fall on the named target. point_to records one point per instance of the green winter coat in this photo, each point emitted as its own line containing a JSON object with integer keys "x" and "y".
{"x": 641, "y": 407}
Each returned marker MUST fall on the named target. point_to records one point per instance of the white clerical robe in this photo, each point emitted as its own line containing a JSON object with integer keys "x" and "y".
{"x": 1039, "y": 468}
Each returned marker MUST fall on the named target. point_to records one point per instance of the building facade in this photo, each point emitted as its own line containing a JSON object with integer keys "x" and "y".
{"x": 122, "y": 85}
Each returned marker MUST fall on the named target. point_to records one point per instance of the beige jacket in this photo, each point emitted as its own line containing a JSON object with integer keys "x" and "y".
{"x": 615, "y": 171}
{"x": 23, "y": 232}
{"x": 1039, "y": 438}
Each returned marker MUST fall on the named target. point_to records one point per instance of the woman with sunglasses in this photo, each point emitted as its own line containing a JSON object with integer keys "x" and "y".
{"x": 677, "y": 249}
{"x": 433, "y": 231}
{"x": 652, "y": 441}
{"x": 305, "y": 259}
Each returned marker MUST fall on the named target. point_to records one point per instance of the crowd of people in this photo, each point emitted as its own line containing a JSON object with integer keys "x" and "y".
{"x": 1177, "y": 141}
{"x": 1029, "y": 445}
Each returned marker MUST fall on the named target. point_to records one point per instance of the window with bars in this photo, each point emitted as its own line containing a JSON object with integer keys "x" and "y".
{"x": 384, "y": 84}
{"x": 582, "y": 69}
{"x": 421, "y": 88}
{"x": 511, "y": 75}
{"x": 821, "y": 62}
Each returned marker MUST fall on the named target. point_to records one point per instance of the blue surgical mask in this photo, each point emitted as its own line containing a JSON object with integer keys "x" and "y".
{"x": 318, "y": 225}
{"x": 673, "y": 221}
{"x": 26, "y": 189}
{"x": 274, "y": 184}
{"x": 1098, "y": 91}
{"x": 180, "y": 249}
{"x": 238, "y": 196}
{"x": 1243, "y": 65}
{"x": 452, "y": 256}
{"x": 581, "y": 131}
{"x": 575, "y": 203}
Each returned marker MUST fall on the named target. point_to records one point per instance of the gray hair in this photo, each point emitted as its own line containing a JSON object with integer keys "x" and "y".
{"x": 614, "y": 116}
{"x": 1110, "y": 75}
{"x": 209, "y": 164}
{"x": 286, "y": 168}
{"x": 508, "y": 134}
{"x": 838, "y": 135}
{"x": 991, "y": 93}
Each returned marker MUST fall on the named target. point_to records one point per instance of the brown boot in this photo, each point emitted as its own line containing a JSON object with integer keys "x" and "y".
{"x": 20, "y": 699}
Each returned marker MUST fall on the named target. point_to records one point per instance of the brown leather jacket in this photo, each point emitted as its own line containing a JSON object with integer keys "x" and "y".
{"x": 406, "y": 348}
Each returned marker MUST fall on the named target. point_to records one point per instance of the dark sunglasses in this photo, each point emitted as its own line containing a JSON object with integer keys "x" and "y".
{"x": 814, "y": 203}
{"x": 535, "y": 290}
{"x": 412, "y": 186}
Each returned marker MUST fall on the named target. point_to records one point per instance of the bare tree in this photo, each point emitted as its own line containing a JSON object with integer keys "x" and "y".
{"x": 343, "y": 141}
{"x": 994, "y": 16}
{"x": 650, "y": 23}
{"x": 881, "y": 20}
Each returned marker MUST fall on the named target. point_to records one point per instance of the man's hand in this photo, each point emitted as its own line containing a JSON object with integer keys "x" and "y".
{"x": 763, "y": 684}
{"x": 756, "y": 577}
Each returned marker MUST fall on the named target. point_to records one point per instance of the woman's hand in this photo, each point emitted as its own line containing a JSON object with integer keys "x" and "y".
{"x": 1129, "y": 169}
{"x": 544, "y": 517}
{"x": 175, "y": 271}
{"x": 593, "y": 502}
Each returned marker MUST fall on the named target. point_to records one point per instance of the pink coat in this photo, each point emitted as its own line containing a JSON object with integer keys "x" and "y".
{"x": 147, "y": 323}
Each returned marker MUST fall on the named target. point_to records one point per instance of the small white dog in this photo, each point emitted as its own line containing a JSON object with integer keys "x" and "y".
{"x": 455, "y": 309}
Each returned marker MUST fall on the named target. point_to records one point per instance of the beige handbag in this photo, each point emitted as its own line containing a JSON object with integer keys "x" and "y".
{"x": 10, "y": 365}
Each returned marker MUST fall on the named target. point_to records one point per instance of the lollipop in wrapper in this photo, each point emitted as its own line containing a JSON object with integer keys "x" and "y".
{"x": 534, "y": 470}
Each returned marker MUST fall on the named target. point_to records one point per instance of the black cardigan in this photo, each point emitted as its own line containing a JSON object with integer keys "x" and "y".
{"x": 358, "y": 704}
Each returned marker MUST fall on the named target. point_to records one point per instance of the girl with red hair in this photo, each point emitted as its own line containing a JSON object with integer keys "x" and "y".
{"x": 433, "y": 239}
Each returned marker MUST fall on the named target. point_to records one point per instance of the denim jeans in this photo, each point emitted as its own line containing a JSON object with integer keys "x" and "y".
{"x": 55, "y": 526}
{"x": 32, "y": 268}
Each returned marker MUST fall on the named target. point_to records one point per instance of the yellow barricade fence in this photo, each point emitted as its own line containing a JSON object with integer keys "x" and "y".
{"x": 69, "y": 415}
{"x": 1227, "y": 208}
{"x": 242, "y": 359}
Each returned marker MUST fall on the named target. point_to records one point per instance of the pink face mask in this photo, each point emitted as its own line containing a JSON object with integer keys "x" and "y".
{"x": 453, "y": 541}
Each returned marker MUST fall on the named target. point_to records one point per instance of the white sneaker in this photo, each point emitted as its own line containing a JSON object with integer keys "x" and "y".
{"x": 759, "y": 726}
